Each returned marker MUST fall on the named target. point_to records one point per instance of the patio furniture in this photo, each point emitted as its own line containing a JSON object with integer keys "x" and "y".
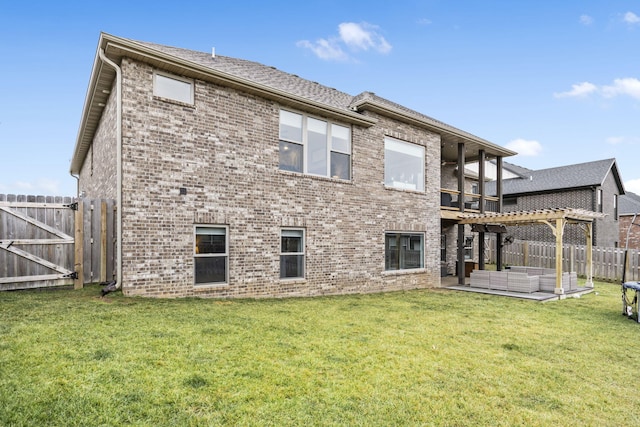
{"x": 628, "y": 306}
{"x": 522, "y": 282}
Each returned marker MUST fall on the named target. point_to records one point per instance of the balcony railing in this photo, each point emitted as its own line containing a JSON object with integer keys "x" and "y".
{"x": 450, "y": 200}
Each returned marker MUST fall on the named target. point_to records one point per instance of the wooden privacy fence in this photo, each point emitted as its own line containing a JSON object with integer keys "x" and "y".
{"x": 608, "y": 263}
{"x": 50, "y": 241}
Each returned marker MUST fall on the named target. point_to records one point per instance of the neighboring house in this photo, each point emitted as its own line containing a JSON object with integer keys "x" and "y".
{"x": 509, "y": 170}
{"x": 629, "y": 212}
{"x": 235, "y": 179}
{"x": 593, "y": 186}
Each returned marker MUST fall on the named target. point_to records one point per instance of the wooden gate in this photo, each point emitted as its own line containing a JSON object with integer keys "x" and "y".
{"x": 55, "y": 241}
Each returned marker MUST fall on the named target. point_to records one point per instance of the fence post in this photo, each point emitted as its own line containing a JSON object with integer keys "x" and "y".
{"x": 103, "y": 241}
{"x": 78, "y": 282}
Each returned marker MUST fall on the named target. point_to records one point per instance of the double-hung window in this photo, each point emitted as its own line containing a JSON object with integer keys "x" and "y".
{"x": 403, "y": 251}
{"x": 403, "y": 165}
{"x": 291, "y": 254}
{"x": 211, "y": 255}
{"x": 313, "y": 146}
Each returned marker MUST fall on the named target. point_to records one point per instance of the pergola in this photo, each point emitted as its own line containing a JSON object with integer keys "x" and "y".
{"x": 554, "y": 218}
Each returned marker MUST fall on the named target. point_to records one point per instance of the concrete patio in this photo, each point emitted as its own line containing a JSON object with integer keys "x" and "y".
{"x": 451, "y": 282}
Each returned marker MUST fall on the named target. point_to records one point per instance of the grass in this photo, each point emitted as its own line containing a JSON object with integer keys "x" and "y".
{"x": 409, "y": 358}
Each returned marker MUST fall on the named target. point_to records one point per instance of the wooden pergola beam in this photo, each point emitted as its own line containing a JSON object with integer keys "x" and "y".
{"x": 556, "y": 219}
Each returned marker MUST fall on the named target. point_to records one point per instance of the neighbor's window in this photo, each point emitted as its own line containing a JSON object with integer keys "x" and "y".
{"x": 211, "y": 255}
{"x": 313, "y": 146}
{"x": 291, "y": 254}
{"x": 403, "y": 165}
{"x": 403, "y": 251}
{"x": 509, "y": 201}
{"x": 599, "y": 200}
{"x": 615, "y": 207}
{"x": 173, "y": 87}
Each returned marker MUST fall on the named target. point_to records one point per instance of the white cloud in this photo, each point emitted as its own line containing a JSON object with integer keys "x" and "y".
{"x": 525, "y": 147}
{"x": 633, "y": 186}
{"x": 328, "y": 50}
{"x": 356, "y": 37}
{"x": 363, "y": 37}
{"x": 425, "y": 21}
{"x": 586, "y": 20}
{"x": 627, "y": 86}
{"x": 615, "y": 140}
{"x": 631, "y": 18}
{"x": 578, "y": 90}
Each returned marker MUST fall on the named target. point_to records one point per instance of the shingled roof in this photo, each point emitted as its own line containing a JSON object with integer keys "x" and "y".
{"x": 629, "y": 204}
{"x": 260, "y": 79}
{"x": 580, "y": 175}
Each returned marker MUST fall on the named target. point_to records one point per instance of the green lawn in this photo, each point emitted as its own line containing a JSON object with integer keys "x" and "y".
{"x": 406, "y": 358}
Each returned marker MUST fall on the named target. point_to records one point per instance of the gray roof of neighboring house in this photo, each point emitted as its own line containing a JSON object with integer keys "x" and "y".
{"x": 629, "y": 204}
{"x": 560, "y": 178}
{"x": 518, "y": 170}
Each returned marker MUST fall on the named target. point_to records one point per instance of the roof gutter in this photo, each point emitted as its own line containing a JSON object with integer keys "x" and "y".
{"x": 434, "y": 125}
{"x": 134, "y": 49}
{"x": 112, "y": 64}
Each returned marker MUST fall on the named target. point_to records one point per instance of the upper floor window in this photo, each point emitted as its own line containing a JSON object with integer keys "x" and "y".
{"x": 599, "y": 200}
{"x": 615, "y": 207}
{"x": 173, "y": 87}
{"x": 403, "y": 165}
{"x": 313, "y": 146}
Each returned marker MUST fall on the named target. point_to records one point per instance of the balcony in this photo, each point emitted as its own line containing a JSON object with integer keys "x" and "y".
{"x": 450, "y": 201}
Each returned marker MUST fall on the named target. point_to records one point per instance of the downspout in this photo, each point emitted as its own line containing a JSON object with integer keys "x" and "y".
{"x": 77, "y": 177}
{"x": 112, "y": 64}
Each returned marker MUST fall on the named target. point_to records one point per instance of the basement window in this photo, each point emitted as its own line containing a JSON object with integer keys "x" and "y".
{"x": 291, "y": 254}
{"x": 211, "y": 255}
{"x": 173, "y": 87}
{"x": 403, "y": 251}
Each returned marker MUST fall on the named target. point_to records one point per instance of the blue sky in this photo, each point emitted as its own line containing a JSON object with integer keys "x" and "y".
{"x": 556, "y": 81}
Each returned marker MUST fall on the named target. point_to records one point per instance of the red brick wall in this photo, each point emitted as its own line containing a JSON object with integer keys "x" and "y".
{"x": 634, "y": 233}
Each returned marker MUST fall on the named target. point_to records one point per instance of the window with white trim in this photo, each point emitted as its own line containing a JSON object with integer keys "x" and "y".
{"x": 173, "y": 87}
{"x": 313, "y": 146}
{"x": 291, "y": 253}
{"x": 211, "y": 257}
{"x": 599, "y": 200}
{"x": 403, "y": 165}
{"x": 403, "y": 251}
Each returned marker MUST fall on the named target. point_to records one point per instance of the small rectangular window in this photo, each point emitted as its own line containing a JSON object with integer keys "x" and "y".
{"x": 173, "y": 87}
{"x": 510, "y": 201}
{"x": 599, "y": 200}
{"x": 404, "y": 251}
{"x": 403, "y": 165}
{"x": 211, "y": 255}
{"x": 291, "y": 254}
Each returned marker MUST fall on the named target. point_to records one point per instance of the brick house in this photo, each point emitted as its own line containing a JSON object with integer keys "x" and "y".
{"x": 235, "y": 179}
{"x": 629, "y": 212}
{"x": 592, "y": 186}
